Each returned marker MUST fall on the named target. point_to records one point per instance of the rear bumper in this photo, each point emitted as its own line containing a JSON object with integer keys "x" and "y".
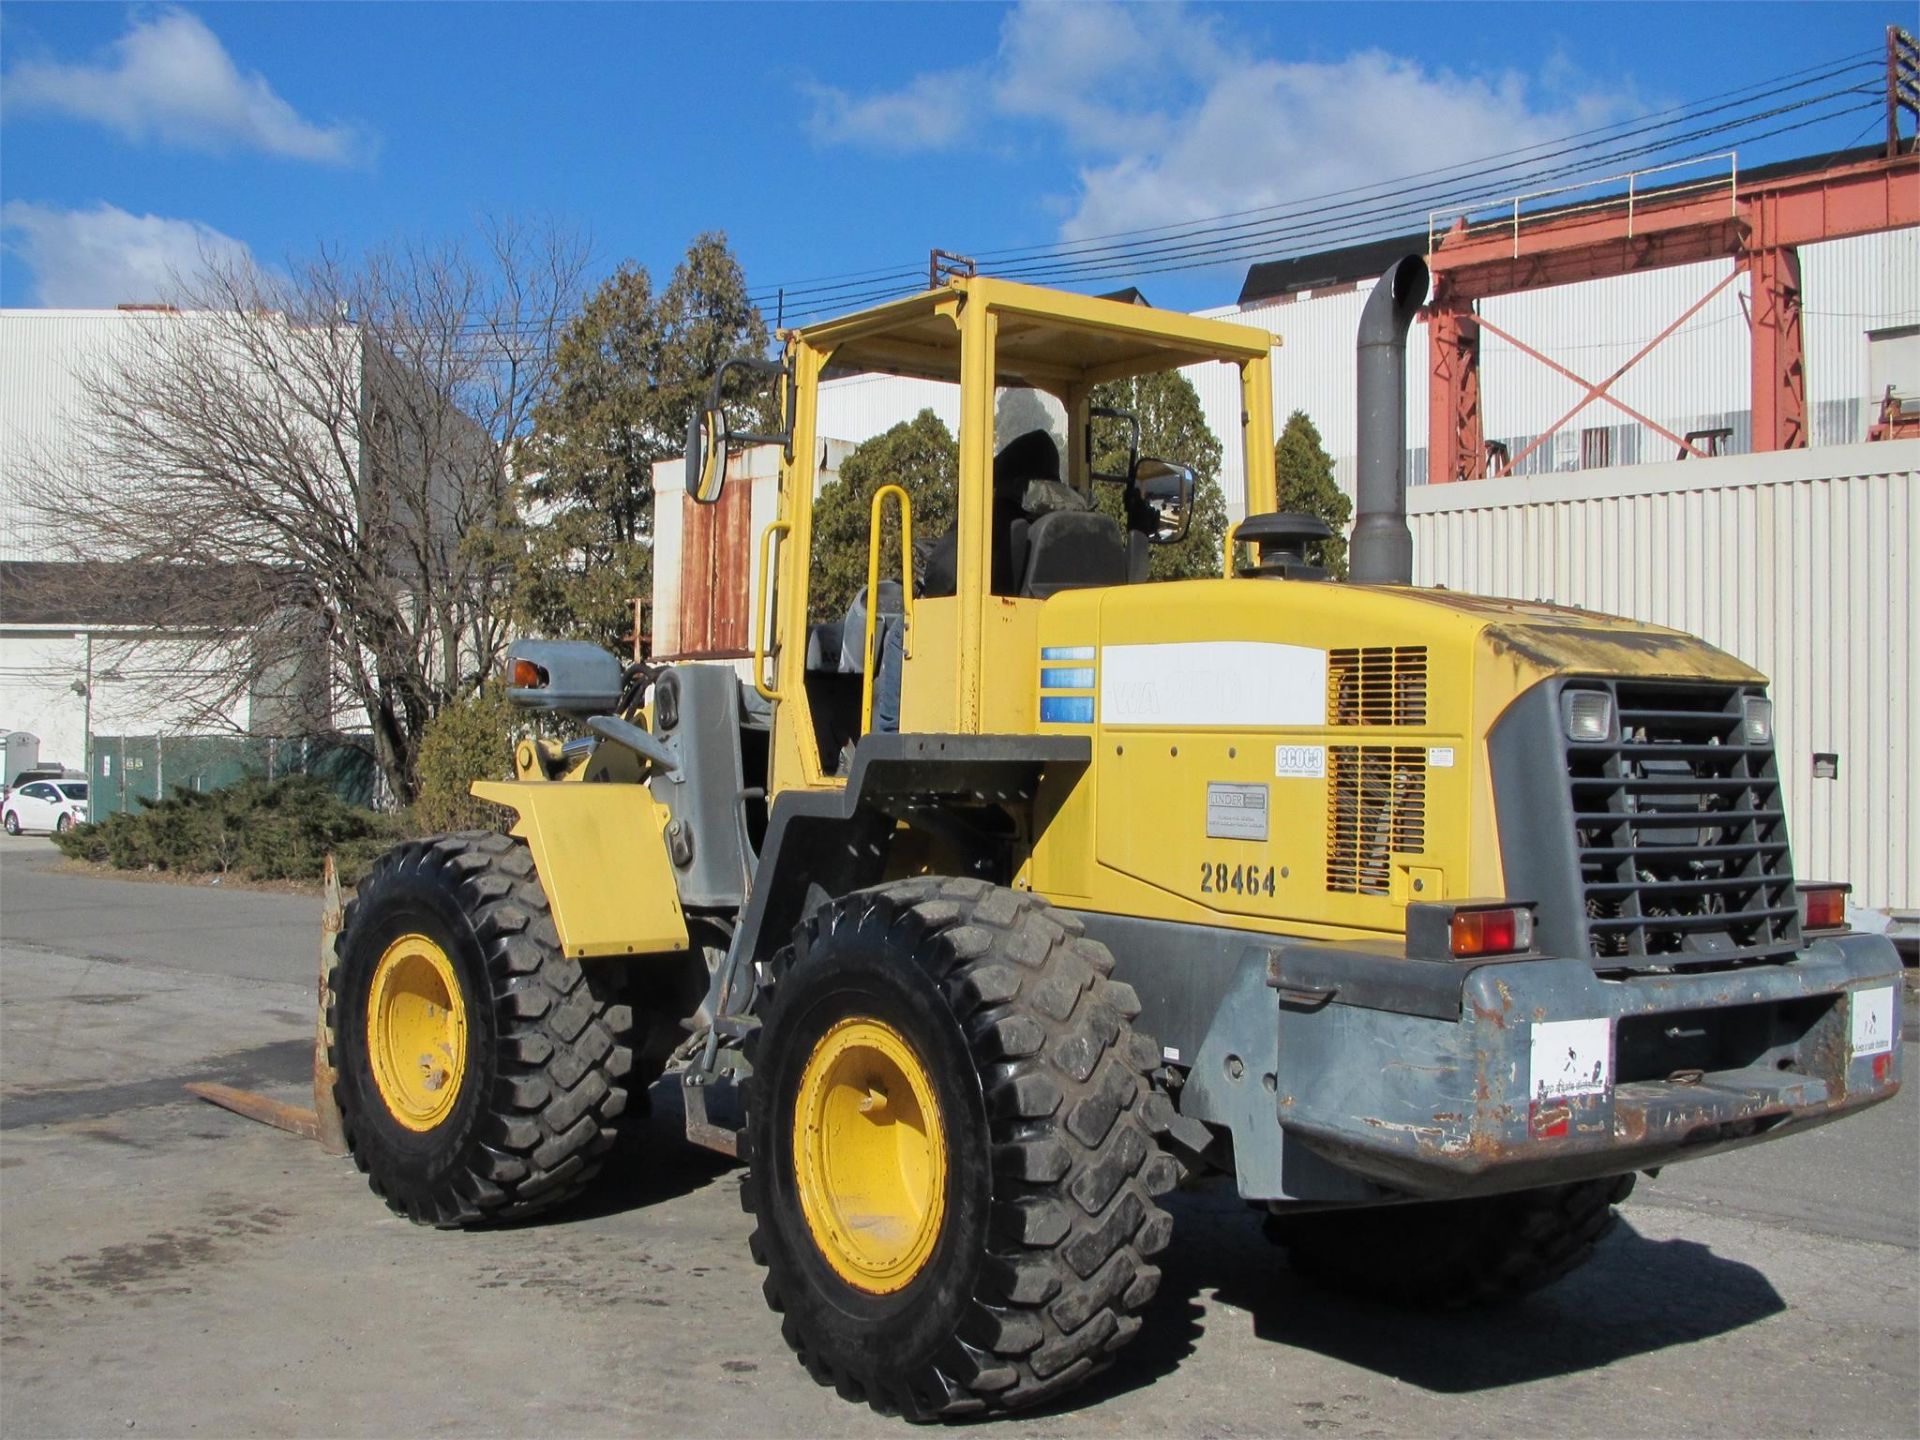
{"x": 1441, "y": 1080}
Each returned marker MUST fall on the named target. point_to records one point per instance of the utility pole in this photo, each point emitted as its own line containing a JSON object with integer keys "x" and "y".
{"x": 85, "y": 687}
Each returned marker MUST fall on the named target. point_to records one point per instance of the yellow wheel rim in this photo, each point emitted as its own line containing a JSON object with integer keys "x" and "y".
{"x": 417, "y": 1032}
{"x": 870, "y": 1155}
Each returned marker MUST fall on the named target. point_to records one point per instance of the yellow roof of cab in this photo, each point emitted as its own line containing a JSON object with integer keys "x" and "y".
{"x": 1048, "y": 338}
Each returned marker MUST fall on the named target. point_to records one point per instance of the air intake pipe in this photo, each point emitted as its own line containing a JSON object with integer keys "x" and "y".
{"x": 1382, "y": 551}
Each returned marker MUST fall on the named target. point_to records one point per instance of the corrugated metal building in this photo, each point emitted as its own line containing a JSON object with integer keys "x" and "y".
{"x": 1800, "y": 562}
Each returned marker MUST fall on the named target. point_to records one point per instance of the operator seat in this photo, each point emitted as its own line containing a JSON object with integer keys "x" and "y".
{"x": 1074, "y": 550}
{"x": 1026, "y": 458}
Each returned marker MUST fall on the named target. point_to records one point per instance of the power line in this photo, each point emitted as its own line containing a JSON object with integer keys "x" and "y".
{"x": 1484, "y": 180}
{"x": 1267, "y": 240}
{"x": 1413, "y": 206}
{"x": 1354, "y": 214}
{"x": 1511, "y": 161}
{"x": 1506, "y": 160}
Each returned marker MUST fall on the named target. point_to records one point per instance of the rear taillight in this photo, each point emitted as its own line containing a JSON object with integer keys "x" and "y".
{"x": 1823, "y": 906}
{"x": 1490, "y": 932}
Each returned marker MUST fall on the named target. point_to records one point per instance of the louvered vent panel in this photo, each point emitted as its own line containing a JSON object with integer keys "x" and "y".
{"x": 1378, "y": 685}
{"x": 1376, "y": 808}
{"x": 1681, "y": 835}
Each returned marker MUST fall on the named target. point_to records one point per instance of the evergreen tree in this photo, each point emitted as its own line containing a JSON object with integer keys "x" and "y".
{"x": 1304, "y": 473}
{"x": 631, "y": 368}
{"x": 922, "y": 457}
{"x": 1172, "y": 427}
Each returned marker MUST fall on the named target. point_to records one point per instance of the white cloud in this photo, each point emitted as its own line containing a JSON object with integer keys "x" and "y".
{"x": 1107, "y": 75}
{"x": 931, "y": 113}
{"x": 84, "y": 259}
{"x": 169, "y": 79}
{"x": 1269, "y": 133}
{"x": 1167, "y": 118}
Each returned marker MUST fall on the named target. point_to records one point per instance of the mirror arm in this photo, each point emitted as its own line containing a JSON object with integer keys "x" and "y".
{"x": 1109, "y": 412}
{"x": 773, "y": 369}
{"x": 701, "y": 447}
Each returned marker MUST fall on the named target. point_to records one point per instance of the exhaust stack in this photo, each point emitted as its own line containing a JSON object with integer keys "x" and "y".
{"x": 1382, "y": 552}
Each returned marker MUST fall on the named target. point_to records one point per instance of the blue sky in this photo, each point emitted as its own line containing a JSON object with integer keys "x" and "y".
{"x": 822, "y": 138}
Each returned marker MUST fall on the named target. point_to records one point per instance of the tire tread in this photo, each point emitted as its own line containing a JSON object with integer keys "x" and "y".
{"x": 1075, "y": 1148}
{"x": 1455, "y": 1254}
{"x": 562, "y": 1050}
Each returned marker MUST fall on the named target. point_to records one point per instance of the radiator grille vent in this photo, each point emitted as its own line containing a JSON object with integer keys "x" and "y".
{"x": 1682, "y": 843}
{"x": 1378, "y": 685}
{"x": 1376, "y": 808}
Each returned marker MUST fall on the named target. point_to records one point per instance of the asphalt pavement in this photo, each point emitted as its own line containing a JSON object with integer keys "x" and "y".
{"x": 168, "y": 1268}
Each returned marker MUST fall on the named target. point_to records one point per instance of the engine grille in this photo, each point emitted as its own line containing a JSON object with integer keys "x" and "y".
{"x": 1681, "y": 838}
{"x": 1376, "y": 806}
{"x": 1377, "y": 685}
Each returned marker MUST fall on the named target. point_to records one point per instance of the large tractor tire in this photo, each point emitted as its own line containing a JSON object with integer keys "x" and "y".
{"x": 953, "y": 1150}
{"x": 482, "y": 1075}
{"x": 1450, "y": 1254}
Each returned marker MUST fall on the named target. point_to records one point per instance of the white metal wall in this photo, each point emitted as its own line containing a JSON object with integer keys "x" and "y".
{"x": 45, "y": 357}
{"x": 1799, "y": 562}
{"x": 859, "y": 407}
{"x": 48, "y": 358}
{"x": 135, "y": 684}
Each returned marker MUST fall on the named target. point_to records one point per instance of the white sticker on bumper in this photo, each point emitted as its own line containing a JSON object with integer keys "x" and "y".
{"x": 1570, "y": 1057}
{"x": 1871, "y": 1022}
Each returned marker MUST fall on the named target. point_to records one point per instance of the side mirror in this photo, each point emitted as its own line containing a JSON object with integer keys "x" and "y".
{"x": 1160, "y": 499}
{"x": 707, "y": 440}
{"x": 1102, "y": 437}
{"x": 709, "y": 436}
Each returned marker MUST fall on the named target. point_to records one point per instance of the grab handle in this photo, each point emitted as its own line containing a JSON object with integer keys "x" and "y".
{"x": 777, "y": 527}
{"x": 875, "y": 513}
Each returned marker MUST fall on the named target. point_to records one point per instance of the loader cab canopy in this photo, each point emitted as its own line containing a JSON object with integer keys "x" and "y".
{"x": 1052, "y": 341}
{"x": 924, "y": 637}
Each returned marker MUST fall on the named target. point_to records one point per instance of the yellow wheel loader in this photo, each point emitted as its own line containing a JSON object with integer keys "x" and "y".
{"x": 976, "y": 915}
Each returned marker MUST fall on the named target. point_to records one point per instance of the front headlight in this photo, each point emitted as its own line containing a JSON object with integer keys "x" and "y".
{"x": 1587, "y": 715}
{"x": 1758, "y": 719}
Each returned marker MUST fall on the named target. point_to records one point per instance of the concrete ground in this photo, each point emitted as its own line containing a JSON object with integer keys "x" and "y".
{"x": 167, "y": 1268}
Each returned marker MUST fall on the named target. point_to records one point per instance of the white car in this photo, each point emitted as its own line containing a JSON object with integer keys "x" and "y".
{"x": 45, "y": 805}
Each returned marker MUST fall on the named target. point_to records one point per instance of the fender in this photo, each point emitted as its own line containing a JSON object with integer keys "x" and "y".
{"x": 602, "y": 861}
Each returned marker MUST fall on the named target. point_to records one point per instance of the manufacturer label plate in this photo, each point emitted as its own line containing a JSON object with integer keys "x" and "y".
{"x": 1570, "y": 1057}
{"x": 1236, "y": 812}
{"x": 1872, "y": 1022}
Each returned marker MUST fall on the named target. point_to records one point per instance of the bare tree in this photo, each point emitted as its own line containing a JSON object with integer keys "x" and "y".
{"x": 314, "y": 462}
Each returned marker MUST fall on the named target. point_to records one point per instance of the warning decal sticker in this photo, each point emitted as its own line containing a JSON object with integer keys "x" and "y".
{"x": 1570, "y": 1057}
{"x": 1872, "y": 1022}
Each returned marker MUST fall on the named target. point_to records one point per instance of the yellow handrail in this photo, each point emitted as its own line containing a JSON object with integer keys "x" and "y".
{"x": 780, "y": 527}
{"x": 873, "y": 589}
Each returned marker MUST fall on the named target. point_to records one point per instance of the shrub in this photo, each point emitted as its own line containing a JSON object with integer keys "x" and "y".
{"x": 257, "y": 829}
{"x": 471, "y": 739}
